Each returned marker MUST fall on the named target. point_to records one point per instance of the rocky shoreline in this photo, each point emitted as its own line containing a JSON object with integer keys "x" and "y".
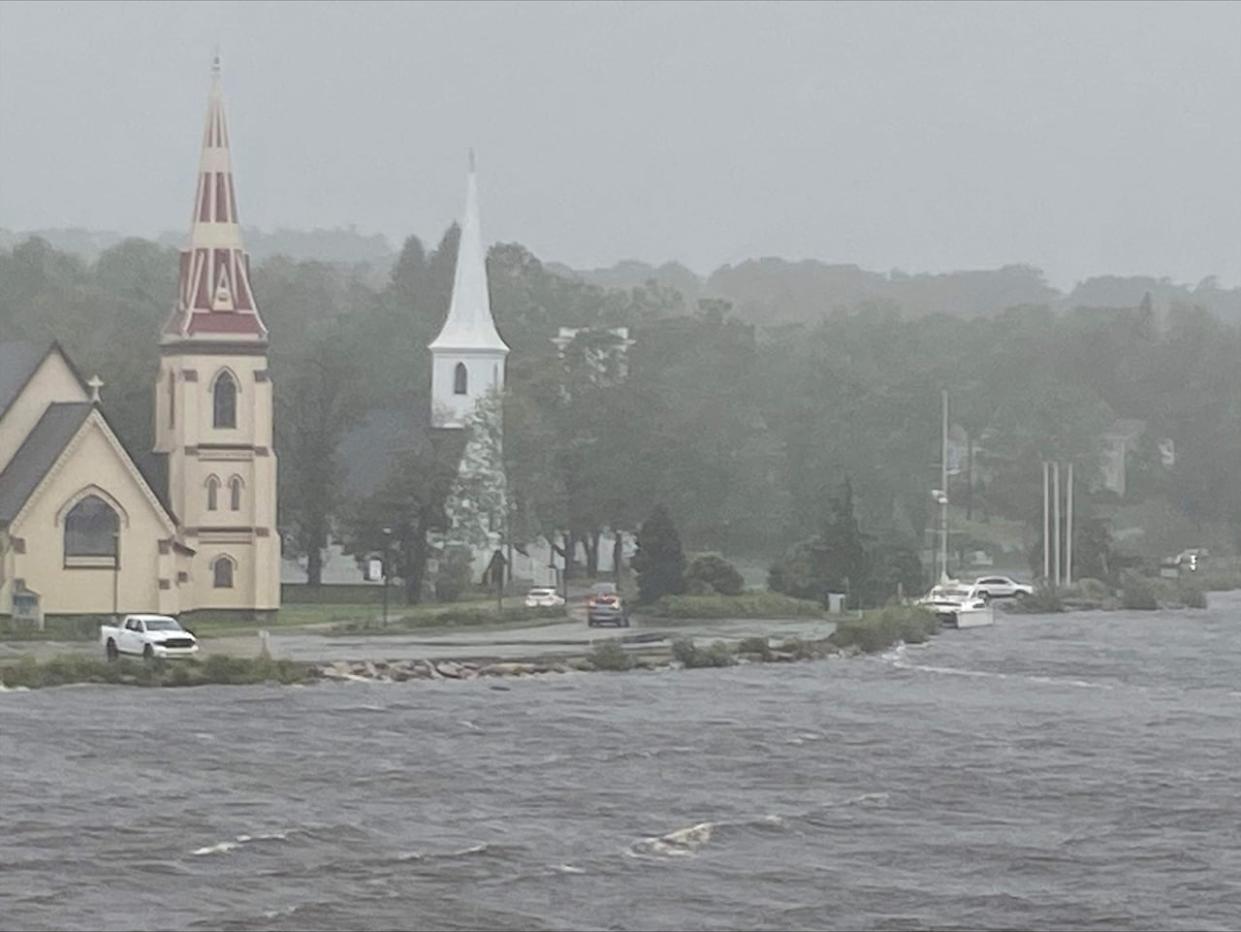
{"x": 401, "y": 671}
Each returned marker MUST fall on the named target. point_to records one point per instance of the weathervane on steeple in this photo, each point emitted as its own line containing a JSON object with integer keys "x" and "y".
{"x": 471, "y": 158}
{"x": 215, "y": 60}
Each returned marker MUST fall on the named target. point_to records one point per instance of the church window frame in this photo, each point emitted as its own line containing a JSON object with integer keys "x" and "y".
{"x": 91, "y": 533}
{"x": 460, "y": 379}
{"x": 235, "y": 487}
{"x": 225, "y": 388}
{"x": 213, "y": 493}
{"x": 223, "y": 572}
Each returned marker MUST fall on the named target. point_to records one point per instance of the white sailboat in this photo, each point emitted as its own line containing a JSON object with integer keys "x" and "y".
{"x": 956, "y": 605}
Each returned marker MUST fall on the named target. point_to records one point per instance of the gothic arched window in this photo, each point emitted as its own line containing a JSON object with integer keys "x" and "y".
{"x": 460, "y": 380}
{"x": 234, "y": 493}
{"x": 222, "y": 573}
{"x": 213, "y": 493}
{"x": 91, "y": 529}
{"x": 224, "y": 401}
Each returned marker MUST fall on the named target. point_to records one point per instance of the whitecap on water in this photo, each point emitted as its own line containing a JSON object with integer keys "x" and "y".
{"x": 223, "y": 847}
{"x": 684, "y": 842}
{"x": 568, "y": 869}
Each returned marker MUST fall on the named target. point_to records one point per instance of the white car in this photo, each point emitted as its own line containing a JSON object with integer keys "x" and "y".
{"x": 544, "y": 597}
{"x": 147, "y": 636}
{"x": 1002, "y": 587}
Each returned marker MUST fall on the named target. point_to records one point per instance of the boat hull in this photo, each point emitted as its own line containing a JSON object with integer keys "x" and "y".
{"x": 967, "y": 617}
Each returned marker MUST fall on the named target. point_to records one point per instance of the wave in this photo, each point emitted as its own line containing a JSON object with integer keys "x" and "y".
{"x": 897, "y": 658}
{"x": 684, "y": 842}
{"x": 223, "y": 847}
{"x": 688, "y": 841}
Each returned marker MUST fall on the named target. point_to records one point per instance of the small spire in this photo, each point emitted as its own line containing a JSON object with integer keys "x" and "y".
{"x": 215, "y": 60}
{"x": 94, "y": 383}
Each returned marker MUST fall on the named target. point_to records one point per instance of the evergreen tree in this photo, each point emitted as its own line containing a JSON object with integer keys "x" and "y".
{"x": 659, "y": 562}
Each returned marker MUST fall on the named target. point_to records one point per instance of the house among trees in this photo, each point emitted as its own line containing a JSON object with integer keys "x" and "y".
{"x": 90, "y": 527}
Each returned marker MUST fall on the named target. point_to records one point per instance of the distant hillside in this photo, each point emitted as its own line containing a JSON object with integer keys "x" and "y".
{"x": 776, "y": 291}
{"x": 763, "y": 291}
{"x": 346, "y": 246}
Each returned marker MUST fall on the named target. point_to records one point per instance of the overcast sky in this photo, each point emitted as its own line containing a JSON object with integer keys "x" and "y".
{"x": 1084, "y": 139}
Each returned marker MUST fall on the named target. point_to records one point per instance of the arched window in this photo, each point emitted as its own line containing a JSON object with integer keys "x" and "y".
{"x": 213, "y": 493}
{"x": 222, "y": 573}
{"x": 234, "y": 493}
{"x": 460, "y": 380}
{"x": 224, "y": 401}
{"x": 92, "y": 529}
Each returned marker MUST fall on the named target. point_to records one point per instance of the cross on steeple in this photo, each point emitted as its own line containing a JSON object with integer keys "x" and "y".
{"x": 94, "y": 383}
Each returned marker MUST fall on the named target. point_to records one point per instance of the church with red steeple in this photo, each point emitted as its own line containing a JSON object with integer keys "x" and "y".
{"x": 89, "y": 528}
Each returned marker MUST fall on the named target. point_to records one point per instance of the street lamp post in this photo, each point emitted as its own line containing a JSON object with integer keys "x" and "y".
{"x": 387, "y": 532}
{"x": 116, "y": 577}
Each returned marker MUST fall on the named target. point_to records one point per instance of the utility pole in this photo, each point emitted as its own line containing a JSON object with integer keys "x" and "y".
{"x": 387, "y": 532}
{"x": 1055, "y": 527}
{"x": 1068, "y": 534}
{"x": 1046, "y": 524}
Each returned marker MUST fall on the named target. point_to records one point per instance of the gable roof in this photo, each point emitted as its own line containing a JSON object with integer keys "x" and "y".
{"x": 39, "y": 453}
{"x": 19, "y": 360}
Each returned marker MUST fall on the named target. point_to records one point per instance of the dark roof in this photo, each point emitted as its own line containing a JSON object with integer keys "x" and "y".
{"x": 18, "y": 361}
{"x": 154, "y": 469}
{"x": 39, "y": 453}
{"x": 369, "y": 450}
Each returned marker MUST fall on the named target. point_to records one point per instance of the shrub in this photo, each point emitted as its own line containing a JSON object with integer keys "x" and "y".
{"x": 217, "y": 669}
{"x": 454, "y": 576}
{"x": 711, "y": 573}
{"x": 758, "y": 646}
{"x": 879, "y": 630}
{"x": 611, "y": 656}
{"x": 799, "y": 649}
{"x": 463, "y": 617}
{"x": 691, "y": 656}
{"x": 749, "y": 605}
{"x": 1138, "y": 594}
{"x": 1045, "y": 600}
{"x": 1191, "y": 595}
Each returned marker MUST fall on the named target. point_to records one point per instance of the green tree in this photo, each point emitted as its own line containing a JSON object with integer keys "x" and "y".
{"x": 659, "y": 562}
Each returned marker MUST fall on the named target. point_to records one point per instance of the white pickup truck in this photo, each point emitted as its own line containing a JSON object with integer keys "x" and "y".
{"x": 148, "y": 636}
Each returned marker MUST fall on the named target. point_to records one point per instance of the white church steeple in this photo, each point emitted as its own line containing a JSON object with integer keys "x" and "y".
{"x": 469, "y": 354}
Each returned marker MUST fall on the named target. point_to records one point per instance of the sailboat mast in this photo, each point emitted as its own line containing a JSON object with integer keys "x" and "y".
{"x": 943, "y": 487}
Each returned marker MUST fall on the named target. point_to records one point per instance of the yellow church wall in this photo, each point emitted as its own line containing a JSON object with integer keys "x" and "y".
{"x": 52, "y": 381}
{"x": 91, "y": 464}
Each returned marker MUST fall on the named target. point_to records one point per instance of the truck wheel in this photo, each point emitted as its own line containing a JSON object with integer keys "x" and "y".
{"x": 148, "y": 653}
{"x": 111, "y": 651}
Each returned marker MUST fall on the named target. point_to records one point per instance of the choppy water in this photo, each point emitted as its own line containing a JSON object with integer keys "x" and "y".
{"x": 1076, "y": 771}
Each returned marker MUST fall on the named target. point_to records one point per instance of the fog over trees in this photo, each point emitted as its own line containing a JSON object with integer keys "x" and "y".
{"x": 745, "y": 418}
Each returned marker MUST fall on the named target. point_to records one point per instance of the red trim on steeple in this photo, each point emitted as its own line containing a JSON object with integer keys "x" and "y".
{"x": 214, "y": 296}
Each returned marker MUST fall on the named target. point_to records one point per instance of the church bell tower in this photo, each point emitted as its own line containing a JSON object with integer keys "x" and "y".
{"x": 468, "y": 356}
{"x": 213, "y": 400}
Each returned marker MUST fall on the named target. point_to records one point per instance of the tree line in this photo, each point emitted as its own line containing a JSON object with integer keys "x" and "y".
{"x": 752, "y": 435}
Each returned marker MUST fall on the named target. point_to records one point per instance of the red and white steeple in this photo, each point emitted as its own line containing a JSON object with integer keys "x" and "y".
{"x": 214, "y": 297}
